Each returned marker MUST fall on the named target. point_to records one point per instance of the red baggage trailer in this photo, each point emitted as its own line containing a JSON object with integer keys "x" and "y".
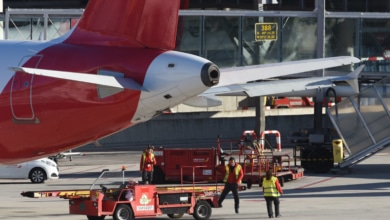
{"x": 176, "y": 163}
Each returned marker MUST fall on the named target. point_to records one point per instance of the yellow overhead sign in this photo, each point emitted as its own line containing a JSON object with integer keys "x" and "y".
{"x": 266, "y": 31}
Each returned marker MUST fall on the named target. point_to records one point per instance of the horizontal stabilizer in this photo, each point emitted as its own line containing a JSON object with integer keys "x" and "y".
{"x": 111, "y": 81}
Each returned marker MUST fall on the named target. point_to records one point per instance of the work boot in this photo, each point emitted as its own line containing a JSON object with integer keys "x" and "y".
{"x": 237, "y": 211}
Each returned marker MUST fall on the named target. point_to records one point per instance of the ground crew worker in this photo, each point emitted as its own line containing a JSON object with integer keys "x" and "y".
{"x": 147, "y": 164}
{"x": 233, "y": 177}
{"x": 272, "y": 191}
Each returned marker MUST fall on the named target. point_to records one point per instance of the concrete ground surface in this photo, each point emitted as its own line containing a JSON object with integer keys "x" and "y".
{"x": 362, "y": 193}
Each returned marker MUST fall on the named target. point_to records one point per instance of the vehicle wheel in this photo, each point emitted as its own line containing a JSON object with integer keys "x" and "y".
{"x": 123, "y": 212}
{"x": 202, "y": 210}
{"x": 175, "y": 215}
{"x": 158, "y": 176}
{"x": 95, "y": 217}
{"x": 37, "y": 175}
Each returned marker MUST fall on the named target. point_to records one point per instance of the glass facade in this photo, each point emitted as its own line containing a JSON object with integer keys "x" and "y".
{"x": 20, "y": 28}
{"x": 296, "y": 5}
{"x": 26, "y": 28}
{"x": 228, "y": 38}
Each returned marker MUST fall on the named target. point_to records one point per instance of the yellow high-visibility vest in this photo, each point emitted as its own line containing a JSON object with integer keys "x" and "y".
{"x": 237, "y": 169}
{"x": 270, "y": 187}
{"x": 144, "y": 159}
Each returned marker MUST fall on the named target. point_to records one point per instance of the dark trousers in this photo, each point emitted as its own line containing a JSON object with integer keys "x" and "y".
{"x": 147, "y": 176}
{"x": 230, "y": 187}
{"x": 269, "y": 200}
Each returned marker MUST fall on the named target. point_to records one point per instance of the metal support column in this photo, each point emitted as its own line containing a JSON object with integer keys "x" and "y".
{"x": 1, "y": 23}
{"x": 320, "y": 7}
{"x": 260, "y": 115}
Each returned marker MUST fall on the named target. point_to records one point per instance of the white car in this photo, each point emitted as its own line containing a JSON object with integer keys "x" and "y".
{"x": 36, "y": 170}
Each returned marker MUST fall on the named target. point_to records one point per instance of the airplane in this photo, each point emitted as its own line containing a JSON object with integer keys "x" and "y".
{"x": 116, "y": 68}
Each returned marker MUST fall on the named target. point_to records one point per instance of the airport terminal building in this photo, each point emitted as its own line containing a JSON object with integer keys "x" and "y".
{"x": 234, "y": 33}
{"x": 225, "y": 31}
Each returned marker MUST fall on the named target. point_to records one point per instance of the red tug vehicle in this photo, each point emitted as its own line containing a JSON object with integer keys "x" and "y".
{"x": 206, "y": 165}
{"x": 132, "y": 200}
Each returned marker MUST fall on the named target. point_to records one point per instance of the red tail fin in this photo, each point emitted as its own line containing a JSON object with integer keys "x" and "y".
{"x": 133, "y": 23}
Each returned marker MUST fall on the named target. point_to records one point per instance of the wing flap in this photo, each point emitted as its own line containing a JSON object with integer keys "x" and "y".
{"x": 203, "y": 101}
{"x": 296, "y": 87}
{"x": 287, "y": 86}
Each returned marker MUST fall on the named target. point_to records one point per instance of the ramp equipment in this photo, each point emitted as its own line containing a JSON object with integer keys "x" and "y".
{"x": 363, "y": 122}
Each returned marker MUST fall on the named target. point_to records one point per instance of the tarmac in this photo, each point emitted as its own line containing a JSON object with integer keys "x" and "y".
{"x": 359, "y": 193}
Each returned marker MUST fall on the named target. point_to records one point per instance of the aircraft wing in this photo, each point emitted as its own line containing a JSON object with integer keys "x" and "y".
{"x": 246, "y": 74}
{"x": 111, "y": 79}
{"x": 237, "y": 81}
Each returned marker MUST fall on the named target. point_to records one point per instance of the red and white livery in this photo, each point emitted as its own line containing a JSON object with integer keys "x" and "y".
{"x": 115, "y": 69}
